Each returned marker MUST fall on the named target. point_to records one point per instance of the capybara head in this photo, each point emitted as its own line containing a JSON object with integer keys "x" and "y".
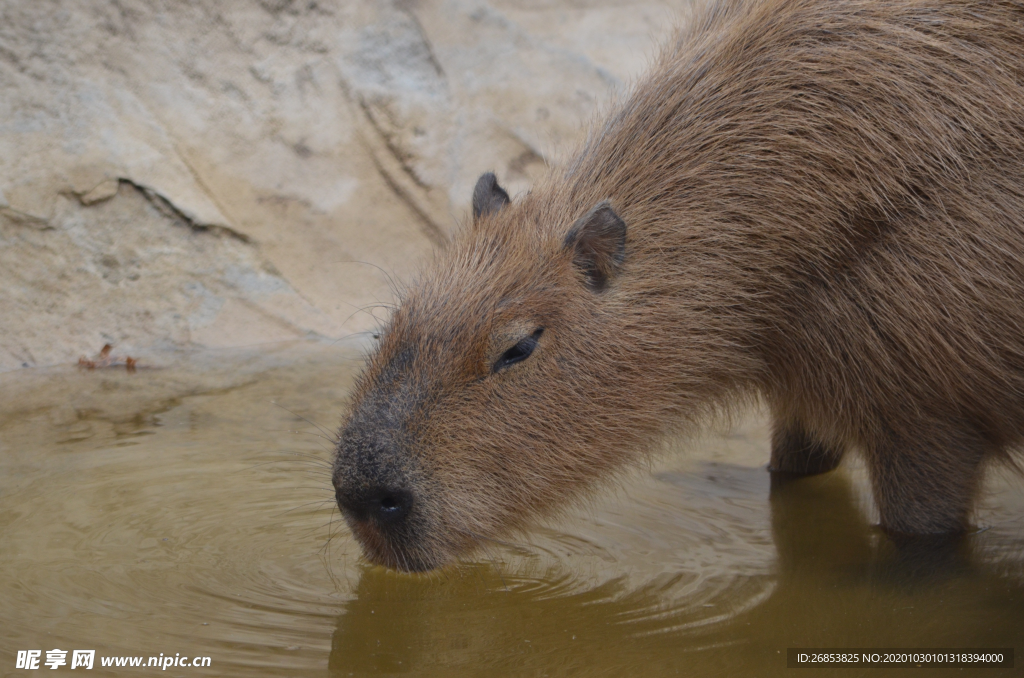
{"x": 482, "y": 401}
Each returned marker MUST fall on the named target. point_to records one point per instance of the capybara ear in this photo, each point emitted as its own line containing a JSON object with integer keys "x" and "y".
{"x": 488, "y": 196}
{"x": 598, "y": 242}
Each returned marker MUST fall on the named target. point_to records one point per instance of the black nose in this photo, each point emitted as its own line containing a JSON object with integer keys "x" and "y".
{"x": 385, "y": 505}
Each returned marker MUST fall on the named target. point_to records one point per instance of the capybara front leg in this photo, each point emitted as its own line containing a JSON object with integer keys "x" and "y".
{"x": 925, "y": 485}
{"x": 795, "y": 451}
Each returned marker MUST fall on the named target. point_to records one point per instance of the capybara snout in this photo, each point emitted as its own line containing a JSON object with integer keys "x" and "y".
{"x": 377, "y": 484}
{"x": 372, "y": 483}
{"x": 812, "y": 204}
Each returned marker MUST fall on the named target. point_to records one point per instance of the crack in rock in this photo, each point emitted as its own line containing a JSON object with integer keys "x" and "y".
{"x": 172, "y": 211}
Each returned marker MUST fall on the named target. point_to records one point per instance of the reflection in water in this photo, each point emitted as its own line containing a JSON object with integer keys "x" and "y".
{"x": 839, "y": 583}
{"x": 175, "y": 510}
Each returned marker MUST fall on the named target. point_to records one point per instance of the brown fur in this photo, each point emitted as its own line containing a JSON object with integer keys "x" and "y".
{"x": 824, "y": 204}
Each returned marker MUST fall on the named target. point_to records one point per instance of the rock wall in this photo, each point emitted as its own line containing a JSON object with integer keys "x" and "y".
{"x": 222, "y": 173}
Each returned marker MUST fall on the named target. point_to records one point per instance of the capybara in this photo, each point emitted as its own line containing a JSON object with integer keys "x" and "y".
{"x": 813, "y": 204}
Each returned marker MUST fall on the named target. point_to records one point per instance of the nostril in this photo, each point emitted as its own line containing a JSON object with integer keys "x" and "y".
{"x": 387, "y": 505}
{"x": 393, "y": 505}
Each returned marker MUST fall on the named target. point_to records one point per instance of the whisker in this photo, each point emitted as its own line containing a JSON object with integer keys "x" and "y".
{"x": 507, "y": 544}
{"x": 309, "y": 503}
{"x": 331, "y": 437}
{"x": 349, "y": 336}
{"x": 392, "y": 283}
{"x": 304, "y": 433}
{"x": 497, "y": 568}
{"x": 326, "y": 552}
{"x": 288, "y": 461}
{"x": 306, "y": 455}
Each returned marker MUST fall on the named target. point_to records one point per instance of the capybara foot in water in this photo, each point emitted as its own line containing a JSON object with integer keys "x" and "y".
{"x": 815, "y": 204}
{"x": 795, "y": 453}
{"x": 924, "y": 481}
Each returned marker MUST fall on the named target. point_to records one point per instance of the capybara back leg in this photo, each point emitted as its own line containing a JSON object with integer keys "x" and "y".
{"x": 925, "y": 485}
{"x": 794, "y": 451}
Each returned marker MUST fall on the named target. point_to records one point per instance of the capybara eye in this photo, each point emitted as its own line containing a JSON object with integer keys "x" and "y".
{"x": 520, "y": 352}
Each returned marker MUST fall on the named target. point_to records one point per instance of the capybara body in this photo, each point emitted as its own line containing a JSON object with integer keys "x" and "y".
{"x": 814, "y": 203}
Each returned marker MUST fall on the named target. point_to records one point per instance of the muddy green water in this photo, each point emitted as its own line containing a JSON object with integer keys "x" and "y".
{"x": 179, "y": 510}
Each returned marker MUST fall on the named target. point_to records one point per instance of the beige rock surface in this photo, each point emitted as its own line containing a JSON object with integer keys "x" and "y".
{"x": 224, "y": 173}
